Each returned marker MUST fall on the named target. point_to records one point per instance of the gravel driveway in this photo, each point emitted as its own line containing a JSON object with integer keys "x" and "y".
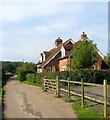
{"x": 26, "y": 101}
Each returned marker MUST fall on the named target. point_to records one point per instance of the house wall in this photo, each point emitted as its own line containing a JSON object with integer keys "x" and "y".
{"x": 67, "y": 51}
{"x": 99, "y": 63}
{"x": 63, "y": 64}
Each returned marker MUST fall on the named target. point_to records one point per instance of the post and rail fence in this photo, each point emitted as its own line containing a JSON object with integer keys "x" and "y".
{"x": 55, "y": 85}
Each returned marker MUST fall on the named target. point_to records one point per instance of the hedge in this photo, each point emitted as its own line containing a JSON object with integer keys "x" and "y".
{"x": 35, "y": 78}
{"x": 22, "y": 75}
{"x": 92, "y": 76}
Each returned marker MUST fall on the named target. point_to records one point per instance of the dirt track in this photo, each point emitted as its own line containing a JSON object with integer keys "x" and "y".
{"x": 26, "y": 101}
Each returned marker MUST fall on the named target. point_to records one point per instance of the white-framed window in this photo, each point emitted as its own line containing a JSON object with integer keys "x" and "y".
{"x": 94, "y": 67}
{"x": 63, "y": 68}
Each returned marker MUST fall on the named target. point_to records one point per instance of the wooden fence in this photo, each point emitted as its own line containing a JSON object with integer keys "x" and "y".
{"x": 55, "y": 85}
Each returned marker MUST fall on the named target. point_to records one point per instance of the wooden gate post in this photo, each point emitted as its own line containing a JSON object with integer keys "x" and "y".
{"x": 105, "y": 97}
{"x": 58, "y": 86}
{"x": 68, "y": 87}
{"x": 82, "y": 92}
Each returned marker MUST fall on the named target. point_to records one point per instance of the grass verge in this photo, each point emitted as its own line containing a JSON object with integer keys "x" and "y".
{"x": 87, "y": 112}
{"x": 34, "y": 84}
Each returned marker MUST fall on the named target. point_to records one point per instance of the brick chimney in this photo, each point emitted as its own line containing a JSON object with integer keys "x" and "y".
{"x": 58, "y": 41}
{"x": 83, "y": 36}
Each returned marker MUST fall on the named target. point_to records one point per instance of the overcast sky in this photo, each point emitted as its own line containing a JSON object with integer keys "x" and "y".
{"x": 30, "y": 27}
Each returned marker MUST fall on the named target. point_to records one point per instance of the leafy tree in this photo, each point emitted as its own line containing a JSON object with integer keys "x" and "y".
{"x": 107, "y": 59}
{"x": 26, "y": 68}
{"x": 84, "y": 55}
{"x": 8, "y": 66}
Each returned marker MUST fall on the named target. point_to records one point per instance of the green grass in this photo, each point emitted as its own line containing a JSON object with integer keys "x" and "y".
{"x": 86, "y": 112}
{"x": 30, "y": 83}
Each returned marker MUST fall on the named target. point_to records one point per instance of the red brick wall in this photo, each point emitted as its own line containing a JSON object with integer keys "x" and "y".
{"x": 99, "y": 63}
{"x": 63, "y": 64}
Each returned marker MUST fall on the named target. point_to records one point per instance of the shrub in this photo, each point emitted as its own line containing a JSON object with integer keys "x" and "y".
{"x": 92, "y": 76}
{"x": 30, "y": 78}
{"x": 25, "y": 69}
{"x": 39, "y": 78}
{"x": 52, "y": 75}
{"x": 35, "y": 78}
{"x": 63, "y": 75}
{"x": 22, "y": 76}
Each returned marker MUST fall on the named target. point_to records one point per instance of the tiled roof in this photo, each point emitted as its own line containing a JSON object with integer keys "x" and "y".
{"x": 53, "y": 52}
{"x": 69, "y": 54}
{"x": 47, "y": 54}
{"x": 38, "y": 63}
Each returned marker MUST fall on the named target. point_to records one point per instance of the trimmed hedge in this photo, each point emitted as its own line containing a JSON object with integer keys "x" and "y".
{"x": 35, "y": 78}
{"x": 92, "y": 76}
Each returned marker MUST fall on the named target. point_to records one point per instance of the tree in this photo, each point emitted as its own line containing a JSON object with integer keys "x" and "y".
{"x": 84, "y": 55}
{"x": 107, "y": 58}
{"x": 9, "y": 66}
{"x": 26, "y": 68}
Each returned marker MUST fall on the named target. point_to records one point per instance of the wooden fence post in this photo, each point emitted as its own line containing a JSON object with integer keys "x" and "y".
{"x": 68, "y": 87}
{"x": 58, "y": 86}
{"x": 105, "y": 97}
{"x": 82, "y": 92}
{"x": 44, "y": 84}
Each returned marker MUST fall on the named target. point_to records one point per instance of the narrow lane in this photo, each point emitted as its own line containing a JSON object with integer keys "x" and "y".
{"x": 26, "y": 101}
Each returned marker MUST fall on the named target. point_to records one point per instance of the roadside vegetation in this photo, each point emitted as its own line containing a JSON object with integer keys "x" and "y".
{"x": 8, "y": 69}
{"x": 25, "y": 69}
{"x": 87, "y": 112}
{"x": 91, "y": 109}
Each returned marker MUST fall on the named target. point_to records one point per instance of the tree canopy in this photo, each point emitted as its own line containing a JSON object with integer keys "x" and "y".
{"x": 107, "y": 59}
{"x": 8, "y": 66}
{"x": 84, "y": 55}
{"x": 25, "y": 69}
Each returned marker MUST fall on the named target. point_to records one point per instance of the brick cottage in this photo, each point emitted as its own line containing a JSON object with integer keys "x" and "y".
{"x": 60, "y": 56}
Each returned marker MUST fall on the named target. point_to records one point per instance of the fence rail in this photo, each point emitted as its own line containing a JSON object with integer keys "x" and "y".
{"x": 56, "y": 86}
